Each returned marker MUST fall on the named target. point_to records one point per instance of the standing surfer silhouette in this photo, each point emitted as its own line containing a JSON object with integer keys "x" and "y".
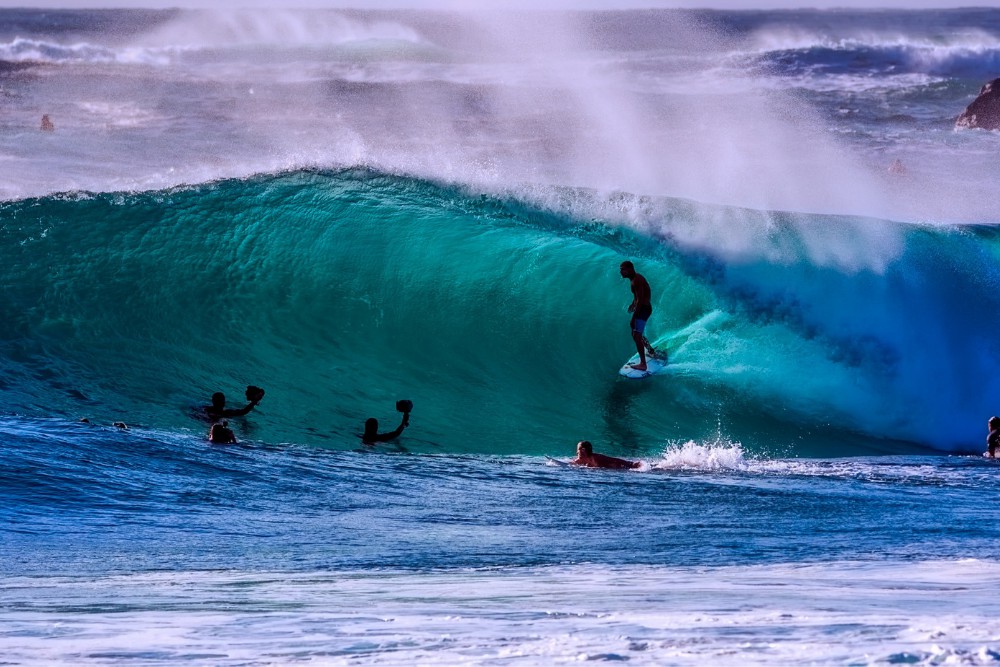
{"x": 641, "y": 309}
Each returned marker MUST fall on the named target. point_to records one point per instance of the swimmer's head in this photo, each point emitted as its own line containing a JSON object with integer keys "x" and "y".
{"x": 993, "y": 423}
{"x": 584, "y": 447}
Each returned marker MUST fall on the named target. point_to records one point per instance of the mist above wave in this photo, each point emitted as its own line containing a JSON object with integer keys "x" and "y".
{"x": 659, "y": 103}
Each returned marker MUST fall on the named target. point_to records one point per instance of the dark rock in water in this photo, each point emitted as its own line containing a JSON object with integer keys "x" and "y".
{"x": 984, "y": 112}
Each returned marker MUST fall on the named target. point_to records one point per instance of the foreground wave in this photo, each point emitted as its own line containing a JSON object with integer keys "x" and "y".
{"x": 501, "y": 316}
{"x": 826, "y": 614}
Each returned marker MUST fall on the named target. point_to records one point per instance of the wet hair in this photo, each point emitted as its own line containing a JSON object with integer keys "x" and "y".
{"x": 218, "y": 398}
{"x": 587, "y": 447}
{"x": 371, "y": 425}
{"x": 628, "y": 264}
{"x": 994, "y": 422}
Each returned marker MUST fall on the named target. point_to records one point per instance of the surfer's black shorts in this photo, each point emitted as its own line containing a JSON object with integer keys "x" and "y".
{"x": 640, "y": 317}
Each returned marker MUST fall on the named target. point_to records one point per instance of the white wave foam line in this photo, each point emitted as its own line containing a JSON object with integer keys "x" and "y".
{"x": 791, "y": 39}
{"x": 834, "y": 613}
{"x": 289, "y": 28}
{"x": 30, "y": 50}
{"x": 850, "y": 83}
{"x": 124, "y": 114}
{"x": 721, "y": 456}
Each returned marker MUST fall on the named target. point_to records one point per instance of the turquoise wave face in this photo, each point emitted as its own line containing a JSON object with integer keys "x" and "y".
{"x": 503, "y": 322}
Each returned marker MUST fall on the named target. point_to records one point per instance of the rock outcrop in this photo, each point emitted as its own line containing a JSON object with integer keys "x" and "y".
{"x": 984, "y": 112}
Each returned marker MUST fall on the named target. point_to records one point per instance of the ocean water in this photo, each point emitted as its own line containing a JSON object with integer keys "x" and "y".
{"x": 348, "y": 208}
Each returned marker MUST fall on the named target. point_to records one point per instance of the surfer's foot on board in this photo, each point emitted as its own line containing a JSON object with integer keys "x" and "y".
{"x": 638, "y": 367}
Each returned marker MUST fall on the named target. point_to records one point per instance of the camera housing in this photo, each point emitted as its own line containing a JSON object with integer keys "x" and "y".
{"x": 404, "y": 406}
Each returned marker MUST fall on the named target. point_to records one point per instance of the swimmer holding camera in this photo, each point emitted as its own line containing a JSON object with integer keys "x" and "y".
{"x": 371, "y": 435}
{"x": 218, "y": 410}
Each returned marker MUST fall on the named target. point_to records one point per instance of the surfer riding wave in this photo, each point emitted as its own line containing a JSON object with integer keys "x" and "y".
{"x": 641, "y": 309}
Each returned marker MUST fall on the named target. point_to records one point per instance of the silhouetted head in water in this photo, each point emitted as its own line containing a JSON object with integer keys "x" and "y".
{"x": 221, "y": 434}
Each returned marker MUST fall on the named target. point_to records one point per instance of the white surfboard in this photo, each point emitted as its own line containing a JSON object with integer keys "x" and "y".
{"x": 653, "y": 365}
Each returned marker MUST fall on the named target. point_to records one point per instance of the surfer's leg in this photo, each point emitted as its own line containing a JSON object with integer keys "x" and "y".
{"x": 637, "y": 328}
{"x": 639, "y": 320}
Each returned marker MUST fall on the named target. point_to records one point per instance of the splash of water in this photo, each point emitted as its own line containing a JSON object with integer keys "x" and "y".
{"x": 706, "y": 456}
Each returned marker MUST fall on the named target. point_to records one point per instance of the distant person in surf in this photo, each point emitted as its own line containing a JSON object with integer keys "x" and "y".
{"x": 217, "y": 410}
{"x": 221, "y": 434}
{"x": 371, "y": 435}
{"x": 47, "y": 125}
{"x": 641, "y": 309}
{"x": 119, "y": 425}
{"x": 993, "y": 439}
{"x": 585, "y": 456}
{"x": 897, "y": 167}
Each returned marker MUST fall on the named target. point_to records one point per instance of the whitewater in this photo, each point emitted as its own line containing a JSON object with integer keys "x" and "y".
{"x": 354, "y": 207}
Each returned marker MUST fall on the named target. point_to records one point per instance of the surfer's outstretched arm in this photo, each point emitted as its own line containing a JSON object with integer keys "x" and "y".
{"x": 385, "y": 437}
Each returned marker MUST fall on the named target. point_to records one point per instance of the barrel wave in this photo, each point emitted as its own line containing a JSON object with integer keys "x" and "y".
{"x": 501, "y": 315}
